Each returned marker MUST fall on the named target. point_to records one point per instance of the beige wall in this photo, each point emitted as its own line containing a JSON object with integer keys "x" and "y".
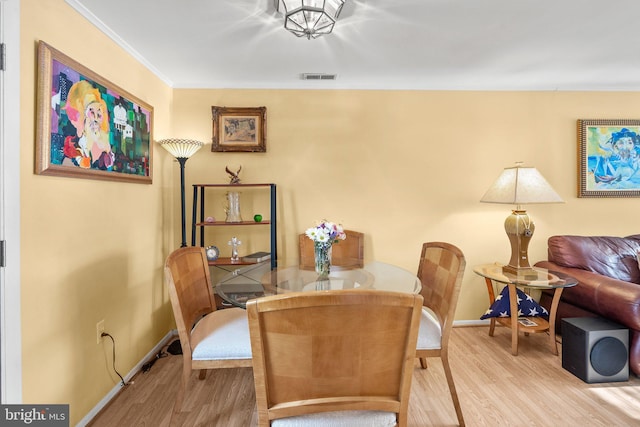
{"x": 91, "y": 250}
{"x": 403, "y": 167}
{"x": 410, "y": 167}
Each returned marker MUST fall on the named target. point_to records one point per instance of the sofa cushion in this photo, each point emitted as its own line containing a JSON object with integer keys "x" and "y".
{"x": 606, "y": 297}
{"x": 614, "y": 257}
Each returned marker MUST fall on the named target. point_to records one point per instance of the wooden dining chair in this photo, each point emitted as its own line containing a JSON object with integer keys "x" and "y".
{"x": 346, "y": 253}
{"x": 440, "y": 270}
{"x": 209, "y": 338}
{"x": 325, "y": 356}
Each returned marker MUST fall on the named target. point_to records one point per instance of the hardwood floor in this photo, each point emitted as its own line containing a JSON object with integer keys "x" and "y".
{"x": 495, "y": 389}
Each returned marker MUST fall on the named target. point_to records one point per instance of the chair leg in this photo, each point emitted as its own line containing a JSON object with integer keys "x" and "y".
{"x": 184, "y": 382}
{"x": 203, "y": 374}
{"x": 423, "y": 362}
{"x": 452, "y": 388}
{"x": 401, "y": 420}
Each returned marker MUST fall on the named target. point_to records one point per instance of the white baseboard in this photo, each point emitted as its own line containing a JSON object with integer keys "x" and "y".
{"x": 114, "y": 391}
{"x": 457, "y": 323}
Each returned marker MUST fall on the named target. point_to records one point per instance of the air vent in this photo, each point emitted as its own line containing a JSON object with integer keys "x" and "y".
{"x": 318, "y": 76}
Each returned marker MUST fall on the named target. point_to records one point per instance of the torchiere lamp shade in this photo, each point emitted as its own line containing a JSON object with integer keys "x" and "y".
{"x": 518, "y": 186}
{"x": 181, "y": 148}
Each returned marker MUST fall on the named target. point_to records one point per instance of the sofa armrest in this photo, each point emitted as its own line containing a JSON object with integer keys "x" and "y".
{"x": 611, "y": 298}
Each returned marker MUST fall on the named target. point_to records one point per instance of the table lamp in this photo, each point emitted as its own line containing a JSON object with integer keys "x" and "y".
{"x": 181, "y": 149}
{"x": 519, "y": 186}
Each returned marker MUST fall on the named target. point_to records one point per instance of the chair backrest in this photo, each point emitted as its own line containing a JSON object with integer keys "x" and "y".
{"x": 346, "y": 253}
{"x": 440, "y": 271}
{"x": 186, "y": 273}
{"x": 333, "y": 350}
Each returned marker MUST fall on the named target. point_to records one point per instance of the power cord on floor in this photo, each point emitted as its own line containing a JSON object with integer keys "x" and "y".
{"x": 104, "y": 334}
{"x": 147, "y": 366}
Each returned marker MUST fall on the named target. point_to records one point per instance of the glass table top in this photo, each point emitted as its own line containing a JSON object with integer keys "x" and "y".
{"x": 258, "y": 280}
{"x": 533, "y": 277}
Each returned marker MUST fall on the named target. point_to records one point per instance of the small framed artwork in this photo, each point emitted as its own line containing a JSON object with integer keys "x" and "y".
{"x": 239, "y": 129}
{"x": 87, "y": 127}
{"x": 609, "y": 158}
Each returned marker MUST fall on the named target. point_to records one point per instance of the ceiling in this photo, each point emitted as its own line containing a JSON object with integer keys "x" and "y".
{"x": 583, "y": 45}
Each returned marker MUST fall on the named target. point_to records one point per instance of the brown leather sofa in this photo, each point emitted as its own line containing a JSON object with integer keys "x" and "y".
{"x": 609, "y": 282}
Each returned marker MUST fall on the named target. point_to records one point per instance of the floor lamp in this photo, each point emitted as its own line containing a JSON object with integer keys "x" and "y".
{"x": 181, "y": 149}
{"x": 518, "y": 186}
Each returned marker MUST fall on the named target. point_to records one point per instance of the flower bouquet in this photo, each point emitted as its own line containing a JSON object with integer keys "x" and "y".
{"x": 324, "y": 235}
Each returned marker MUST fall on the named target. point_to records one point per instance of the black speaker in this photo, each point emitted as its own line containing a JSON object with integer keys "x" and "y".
{"x": 595, "y": 350}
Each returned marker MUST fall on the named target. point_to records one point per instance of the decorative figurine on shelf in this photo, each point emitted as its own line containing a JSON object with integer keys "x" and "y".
{"x": 233, "y": 198}
{"x": 234, "y": 243}
{"x": 234, "y": 177}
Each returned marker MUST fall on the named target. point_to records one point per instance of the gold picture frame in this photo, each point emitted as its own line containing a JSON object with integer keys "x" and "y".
{"x": 608, "y": 158}
{"x": 237, "y": 129}
{"x": 87, "y": 127}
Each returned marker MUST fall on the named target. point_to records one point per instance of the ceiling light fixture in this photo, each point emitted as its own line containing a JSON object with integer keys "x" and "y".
{"x": 309, "y": 18}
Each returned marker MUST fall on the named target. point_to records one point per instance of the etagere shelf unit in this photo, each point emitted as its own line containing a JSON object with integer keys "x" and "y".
{"x": 201, "y": 224}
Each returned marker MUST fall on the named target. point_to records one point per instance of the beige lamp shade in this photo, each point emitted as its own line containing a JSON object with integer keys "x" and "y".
{"x": 181, "y": 148}
{"x": 521, "y": 185}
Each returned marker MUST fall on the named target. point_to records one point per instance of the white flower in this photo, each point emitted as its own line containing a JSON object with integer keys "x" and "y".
{"x": 326, "y": 232}
{"x": 312, "y": 233}
{"x": 322, "y": 237}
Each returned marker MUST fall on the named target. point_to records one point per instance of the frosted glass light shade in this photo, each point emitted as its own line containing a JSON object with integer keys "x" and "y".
{"x": 521, "y": 185}
{"x": 181, "y": 148}
{"x": 309, "y": 18}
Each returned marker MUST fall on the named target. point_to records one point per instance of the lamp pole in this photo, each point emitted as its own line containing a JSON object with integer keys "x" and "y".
{"x": 182, "y": 161}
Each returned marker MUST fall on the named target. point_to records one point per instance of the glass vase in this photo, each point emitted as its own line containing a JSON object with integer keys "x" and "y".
{"x": 233, "y": 207}
{"x": 323, "y": 260}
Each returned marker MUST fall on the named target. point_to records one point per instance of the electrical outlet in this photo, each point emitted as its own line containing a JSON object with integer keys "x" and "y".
{"x": 99, "y": 331}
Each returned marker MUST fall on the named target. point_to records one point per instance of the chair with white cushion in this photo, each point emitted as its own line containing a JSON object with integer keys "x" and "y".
{"x": 209, "y": 338}
{"x": 338, "y": 358}
{"x": 440, "y": 271}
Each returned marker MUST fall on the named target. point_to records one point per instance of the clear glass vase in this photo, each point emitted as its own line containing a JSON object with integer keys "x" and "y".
{"x": 233, "y": 207}
{"x": 323, "y": 260}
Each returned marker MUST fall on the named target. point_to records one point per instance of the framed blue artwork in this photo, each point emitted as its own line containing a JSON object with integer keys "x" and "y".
{"x": 609, "y": 158}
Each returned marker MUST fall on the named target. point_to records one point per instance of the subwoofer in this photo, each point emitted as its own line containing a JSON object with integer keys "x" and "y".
{"x": 595, "y": 350}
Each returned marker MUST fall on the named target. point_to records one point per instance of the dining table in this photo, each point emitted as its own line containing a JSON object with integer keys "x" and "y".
{"x": 262, "y": 279}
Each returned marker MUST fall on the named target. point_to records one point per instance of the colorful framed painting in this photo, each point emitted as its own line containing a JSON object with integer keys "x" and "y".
{"x": 239, "y": 129}
{"x": 88, "y": 127}
{"x": 609, "y": 158}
